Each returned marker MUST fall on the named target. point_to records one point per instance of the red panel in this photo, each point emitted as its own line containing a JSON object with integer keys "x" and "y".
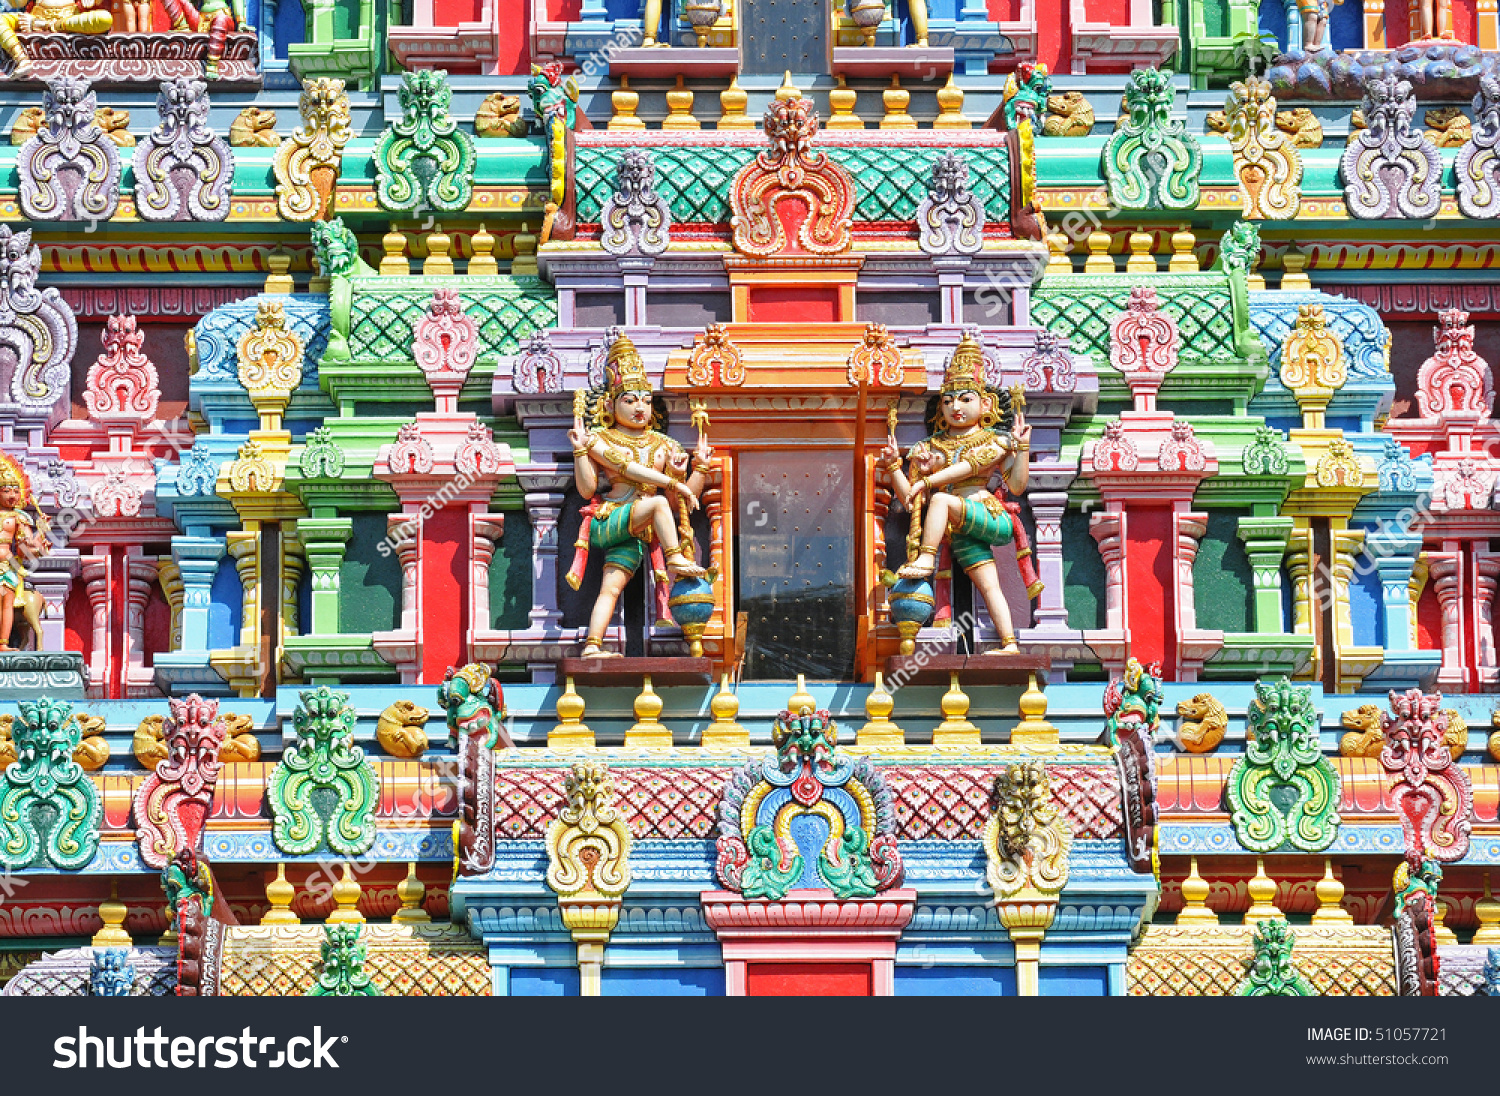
{"x": 1148, "y": 578}
{"x": 1429, "y": 620}
{"x": 445, "y": 606}
{"x": 780, "y": 304}
{"x": 514, "y": 56}
{"x": 450, "y": 13}
{"x": 809, "y": 980}
{"x": 1398, "y": 22}
{"x": 564, "y": 11}
{"x": 158, "y": 624}
{"x": 78, "y": 623}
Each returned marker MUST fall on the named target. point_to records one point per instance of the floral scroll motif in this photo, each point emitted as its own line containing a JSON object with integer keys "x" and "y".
{"x": 324, "y": 758}
{"x": 1455, "y": 380}
{"x": 876, "y": 360}
{"x": 69, "y": 171}
{"x": 184, "y": 171}
{"x": 1265, "y": 160}
{"x": 791, "y": 172}
{"x": 716, "y": 360}
{"x": 1151, "y": 162}
{"x": 424, "y": 161}
{"x": 636, "y": 220}
{"x": 1391, "y": 170}
{"x": 1433, "y": 796}
{"x": 538, "y": 368}
{"x": 307, "y": 164}
{"x": 1272, "y": 973}
{"x": 322, "y": 457}
{"x": 1477, "y": 168}
{"x": 45, "y": 775}
{"x": 1048, "y": 368}
{"x": 1266, "y": 455}
{"x": 171, "y": 805}
{"x": 122, "y": 382}
{"x": 1027, "y": 839}
{"x": 1283, "y": 792}
{"x": 344, "y": 955}
{"x": 950, "y": 220}
{"x": 588, "y": 843}
{"x": 38, "y": 332}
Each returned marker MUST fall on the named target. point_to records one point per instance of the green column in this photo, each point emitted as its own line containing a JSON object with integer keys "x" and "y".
{"x": 1265, "y": 543}
{"x": 325, "y": 540}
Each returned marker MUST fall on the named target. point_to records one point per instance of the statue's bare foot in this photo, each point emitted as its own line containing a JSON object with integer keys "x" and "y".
{"x": 921, "y": 567}
{"x": 682, "y": 567}
{"x": 1011, "y": 648}
{"x": 591, "y": 651}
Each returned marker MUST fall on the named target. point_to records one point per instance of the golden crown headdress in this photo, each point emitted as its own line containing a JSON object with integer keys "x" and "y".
{"x": 13, "y": 475}
{"x": 966, "y": 368}
{"x": 623, "y": 369}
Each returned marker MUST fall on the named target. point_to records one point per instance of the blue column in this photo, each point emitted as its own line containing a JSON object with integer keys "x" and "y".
{"x": 197, "y": 560}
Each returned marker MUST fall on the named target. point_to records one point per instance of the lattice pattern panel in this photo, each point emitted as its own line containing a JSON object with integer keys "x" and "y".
{"x": 261, "y": 962}
{"x": 525, "y": 801}
{"x": 662, "y": 804}
{"x": 952, "y": 804}
{"x": 381, "y": 326}
{"x": 1365, "y": 338}
{"x": 1164, "y": 973}
{"x": 66, "y": 974}
{"x": 415, "y": 972}
{"x": 219, "y": 333}
{"x": 696, "y": 181}
{"x": 1205, "y": 319}
{"x": 1348, "y": 974}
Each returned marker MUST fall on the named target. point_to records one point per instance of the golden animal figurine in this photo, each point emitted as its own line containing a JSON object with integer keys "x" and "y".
{"x": 116, "y": 126}
{"x": 240, "y": 743}
{"x": 500, "y": 116}
{"x": 1365, "y": 737}
{"x": 1457, "y": 736}
{"x": 1356, "y": 123}
{"x": 7, "y": 743}
{"x": 632, "y": 474}
{"x": 1302, "y": 126}
{"x": 1204, "y": 722}
{"x": 26, "y": 124}
{"x": 20, "y": 537}
{"x": 92, "y": 750}
{"x": 254, "y": 128}
{"x": 57, "y": 16}
{"x": 1068, "y": 115}
{"x": 400, "y": 729}
{"x": 982, "y": 439}
{"x": 1449, "y": 127}
{"x": 1494, "y": 742}
{"x": 149, "y": 743}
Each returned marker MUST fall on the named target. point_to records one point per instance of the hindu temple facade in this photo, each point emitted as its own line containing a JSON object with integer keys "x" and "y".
{"x": 991, "y": 497}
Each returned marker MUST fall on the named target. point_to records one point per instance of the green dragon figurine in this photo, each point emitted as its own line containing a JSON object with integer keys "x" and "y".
{"x": 343, "y": 973}
{"x": 1271, "y": 971}
{"x": 1283, "y": 791}
{"x": 44, "y": 775}
{"x": 324, "y": 759}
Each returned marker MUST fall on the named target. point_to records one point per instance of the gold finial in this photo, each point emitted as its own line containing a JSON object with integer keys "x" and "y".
{"x": 1184, "y": 261}
{"x": 1262, "y": 896}
{"x": 648, "y": 730}
{"x": 571, "y": 733}
{"x": 523, "y": 253}
{"x": 393, "y": 263}
{"x": 680, "y": 107}
{"x": 346, "y": 894}
{"x": 411, "y": 892}
{"x": 788, "y": 90}
{"x": 483, "y": 263}
{"x": 896, "y": 99}
{"x": 732, "y": 101}
{"x": 1058, "y": 262}
{"x": 279, "y": 263}
{"x": 624, "y": 101}
{"x": 955, "y": 729}
{"x": 878, "y": 729}
{"x": 1099, "y": 261}
{"x": 1294, "y": 271}
{"x": 319, "y": 282}
{"x": 841, "y": 102}
{"x": 1195, "y": 892}
{"x": 801, "y": 698}
{"x": 950, "y": 101}
{"x": 168, "y": 939}
{"x": 112, "y": 912}
{"x": 1033, "y": 727}
{"x": 280, "y": 893}
{"x": 1488, "y": 912}
{"x": 725, "y": 732}
{"x": 1330, "y": 892}
{"x": 1141, "y": 260}
{"x": 1441, "y": 933}
{"x": 438, "y": 262}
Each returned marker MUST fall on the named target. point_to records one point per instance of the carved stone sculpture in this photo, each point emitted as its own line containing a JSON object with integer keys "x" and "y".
{"x": 63, "y": 16}
{"x": 171, "y": 805}
{"x": 791, "y": 175}
{"x": 424, "y": 161}
{"x": 1432, "y": 795}
{"x": 253, "y": 128}
{"x": 183, "y": 170}
{"x": 1391, "y": 170}
{"x": 635, "y": 218}
{"x": 1267, "y": 166}
{"x": 323, "y": 759}
{"x": 308, "y": 162}
{"x": 500, "y": 116}
{"x": 45, "y": 775}
{"x": 1455, "y": 380}
{"x": 1477, "y": 169}
{"x": 1283, "y": 791}
{"x": 1131, "y": 707}
{"x": 950, "y": 220}
{"x": 70, "y": 171}
{"x": 1151, "y": 162}
{"x": 38, "y": 333}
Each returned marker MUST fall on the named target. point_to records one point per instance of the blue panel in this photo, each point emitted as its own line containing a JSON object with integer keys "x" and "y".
{"x": 631, "y": 9}
{"x": 956, "y": 981}
{"x": 290, "y": 25}
{"x": 544, "y": 981}
{"x": 1346, "y": 26}
{"x": 1364, "y": 603}
{"x": 678, "y": 982}
{"x": 1273, "y": 19}
{"x": 1074, "y": 981}
{"x": 225, "y": 607}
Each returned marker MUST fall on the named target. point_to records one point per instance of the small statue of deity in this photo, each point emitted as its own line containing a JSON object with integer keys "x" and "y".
{"x": 19, "y": 535}
{"x": 981, "y": 436}
{"x": 632, "y": 475}
{"x": 59, "y": 16}
{"x": 215, "y": 18}
{"x": 1314, "y": 15}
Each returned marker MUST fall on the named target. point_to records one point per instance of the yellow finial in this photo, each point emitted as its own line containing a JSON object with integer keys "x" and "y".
{"x": 112, "y": 912}
{"x": 1099, "y": 261}
{"x": 1330, "y": 892}
{"x": 1488, "y": 912}
{"x": 523, "y": 264}
{"x": 732, "y": 102}
{"x": 1294, "y": 271}
{"x": 483, "y": 263}
{"x": 1262, "y": 896}
{"x": 841, "y": 102}
{"x": 955, "y": 729}
{"x": 1033, "y": 727}
{"x": 1184, "y": 260}
{"x": 438, "y": 262}
{"x": 788, "y": 90}
{"x": 1195, "y": 892}
{"x": 1441, "y": 933}
{"x": 624, "y": 101}
{"x": 680, "y": 107}
{"x": 725, "y": 731}
{"x": 1141, "y": 260}
{"x": 346, "y": 894}
{"x": 950, "y": 101}
{"x": 570, "y": 733}
{"x": 878, "y": 729}
{"x": 279, "y": 263}
{"x": 896, "y": 99}
{"x": 801, "y": 698}
{"x": 648, "y": 730}
{"x": 1057, "y": 255}
{"x": 411, "y": 892}
{"x": 393, "y": 264}
{"x": 280, "y": 893}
